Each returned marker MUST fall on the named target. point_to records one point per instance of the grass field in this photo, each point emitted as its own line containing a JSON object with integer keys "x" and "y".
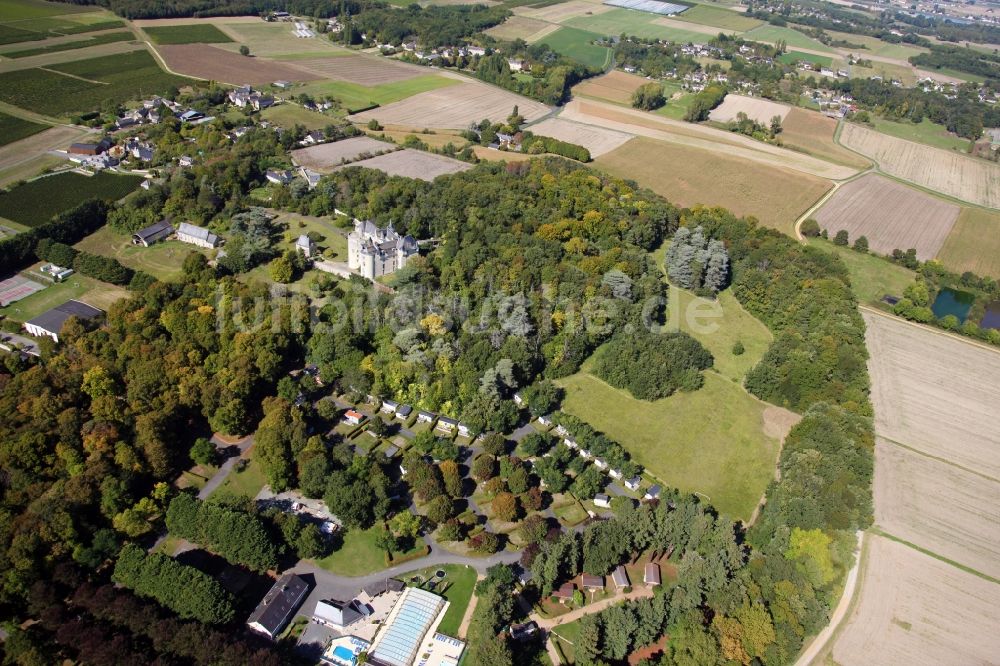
{"x": 290, "y": 115}
{"x": 634, "y": 23}
{"x": 36, "y": 202}
{"x": 872, "y": 277}
{"x": 272, "y": 40}
{"x": 924, "y": 132}
{"x": 14, "y": 129}
{"x": 709, "y": 441}
{"x": 16, "y": 10}
{"x": 792, "y": 57}
{"x": 677, "y": 102}
{"x": 355, "y": 96}
{"x": 974, "y": 243}
{"x": 577, "y": 44}
{"x": 79, "y": 287}
{"x": 460, "y": 581}
{"x": 876, "y": 46}
{"x": 792, "y": 38}
{"x": 718, "y": 18}
{"x": 196, "y": 33}
{"x": 90, "y": 83}
{"x": 905, "y": 74}
{"x": 775, "y": 196}
{"x": 359, "y": 555}
{"x": 248, "y": 482}
{"x": 163, "y": 260}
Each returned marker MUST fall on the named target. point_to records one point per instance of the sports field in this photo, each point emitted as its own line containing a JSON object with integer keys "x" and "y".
{"x": 36, "y": 202}
{"x": 711, "y": 441}
{"x": 194, "y": 33}
{"x": 79, "y": 287}
{"x": 974, "y": 243}
{"x": 14, "y": 129}
{"x": 578, "y": 45}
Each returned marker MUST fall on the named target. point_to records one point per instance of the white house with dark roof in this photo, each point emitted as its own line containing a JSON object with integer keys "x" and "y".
{"x": 190, "y": 233}
{"x": 50, "y": 323}
{"x": 633, "y": 483}
{"x": 305, "y": 245}
{"x": 154, "y": 232}
{"x": 278, "y": 606}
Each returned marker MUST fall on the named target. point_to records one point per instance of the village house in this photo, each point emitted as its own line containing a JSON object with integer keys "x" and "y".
{"x": 336, "y": 614}
{"x": 311, "y": 177}
{"x": 306, "y": 246}
{"x": 592, "y": 583}
{"x": 545, "y": 421}
{"x": 154, "y": 232}
{"x": 565, "y": 592}
{"x": 195, "y": 235}
{"x": 279, "y": 177}
{"x": 633, "y": 483}
{"x": 353, "y": 417}
{"x": 653, "y": 492}
{"x": 245, "y": 96}
{"x": 185, "y": 161}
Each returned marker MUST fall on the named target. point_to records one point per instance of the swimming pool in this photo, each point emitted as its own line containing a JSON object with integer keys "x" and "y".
{"x": 345, "y": 655}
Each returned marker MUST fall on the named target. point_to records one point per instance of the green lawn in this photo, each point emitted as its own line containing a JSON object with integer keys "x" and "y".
{"x": 163, "y": 260}
{"x": 718, "y": 17}
{"x": 792, "y": 57}
{"x": 925, "y": 132}
{"x": 78, "y": 287}
{"x": 195, "y": 33}
{"x": 578, "y": 44}
{"x": 14, "y": 129}
{"x": 676, "y": 108}
{"x": 358, "y": 555}
{"x": 792, "y": 38}
{"x": 333, "y": 245}
{"x": 460, "y": 581}
{"x": 354, "y": 96}
{"x": 36, "y": 202}
{"x": 872, "y": 277}
{"x": 290, "y": 115}
{"x": 709, "y": 441}
{"x": 248, "y": 482}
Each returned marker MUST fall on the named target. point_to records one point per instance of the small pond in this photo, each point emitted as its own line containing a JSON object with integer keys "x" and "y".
{"x": 992, "y": 317}
{"x": 953, "y": 302}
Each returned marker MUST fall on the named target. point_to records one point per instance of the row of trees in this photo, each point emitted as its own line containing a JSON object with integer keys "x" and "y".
{"x": 239, "y": 537}
{"x": 703, "y": 102}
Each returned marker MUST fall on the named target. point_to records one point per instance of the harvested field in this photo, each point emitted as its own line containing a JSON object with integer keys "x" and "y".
{"x": 615, "y": 86}
{"x": 563, "y": 11}
{"x": 756, "y": 108}
{"x": 890, "y": 214}
{"x": 414, "y": 164}
{"x": 522, "y": 27}
{"x": 215, "y": 20}
{"x": 915, "y": 610}
{"x": 207, "y": 62}
{"x": 325, "y": 156}
{"x": 946, "y": 509}
{"x": 775, "y": 196}
{"x": 277, "y": 39}
{"x": 935, "y": 393}
{"x": 361, "y": 69}
{"x": 974, "y": 243}
{"x": 719, "y": 18}
{"x": 966, "y": 178}
{"x": 595, "y": 139}
{"x": 812, "y": 132}
{"x": 454, "y": 107}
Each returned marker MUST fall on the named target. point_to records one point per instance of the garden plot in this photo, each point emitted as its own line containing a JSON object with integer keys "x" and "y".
{"x": 760, "y": 110}
{"x": 414, "y": 164}
{"x": 966, "y": 178}
{"x": 326, "y": 156}
{"x": 361, "y": 69}
{"x": 916, "y": 610}
{"x": 595, "y": 139}
{"x": 937, "y": 506}
{"x": 214, "y": 64}
{"x": 890, "y": 215}
{"x": 454, "y": 107}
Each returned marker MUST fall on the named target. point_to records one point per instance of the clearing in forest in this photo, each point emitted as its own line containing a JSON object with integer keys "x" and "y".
{"x": 890, "y": 215}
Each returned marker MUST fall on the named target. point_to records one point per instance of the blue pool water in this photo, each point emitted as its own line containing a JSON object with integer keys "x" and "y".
{"x": 345, "y": 654}
{"x": 953, "y": 302}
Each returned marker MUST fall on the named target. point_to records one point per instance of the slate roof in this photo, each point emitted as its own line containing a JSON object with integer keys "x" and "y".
{"x": 279, "y": 604}
{"x": 53, "y": 319}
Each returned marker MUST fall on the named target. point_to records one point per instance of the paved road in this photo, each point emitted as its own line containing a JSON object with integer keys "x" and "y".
{"x": 243, "y": 445}
{"x": 28, "y": 346}
{"x": 549, "y": 622}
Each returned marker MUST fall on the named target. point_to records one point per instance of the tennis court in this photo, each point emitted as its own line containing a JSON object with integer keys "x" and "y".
{"x": 17, "y": 287}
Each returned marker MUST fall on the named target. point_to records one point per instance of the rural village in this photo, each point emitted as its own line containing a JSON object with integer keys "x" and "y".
{"x": 495, "y": 332}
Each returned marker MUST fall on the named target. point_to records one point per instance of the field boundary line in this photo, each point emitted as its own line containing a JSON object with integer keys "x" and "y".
{"x": 930, "y": 329}
{"x": 73, "y": 76}
{"x": 823, "y": 199}
{"x": 938, "y": 459}
{"x": 930, "y": 553}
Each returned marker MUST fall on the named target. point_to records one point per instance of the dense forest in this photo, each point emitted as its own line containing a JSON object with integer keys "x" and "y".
{"x": 962, "y": 59}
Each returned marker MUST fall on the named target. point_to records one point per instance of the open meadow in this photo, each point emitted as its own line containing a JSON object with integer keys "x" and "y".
{"x": 688, "y": 176}
{"x": 643, "y": 24}
{"x": 711, "y": 441}
{"x": 872, "y": 277}
{"x": 757, "y": 109}
{"x": 414, "y": 164}
{"x": 326, "y": 156}
{"x": 925, "y": 132}
{"x": 890, "y": 215}
{"x": 966, "y": 178}
{"x": 356, "y": 97}
{"x": 792, "y": 38}
{"x": 579, "y": 45}
{"x": 615, "y": 86}
{"x": 35, "y": 203}
{"x": 974, "y": 243}
{"x": 915, "y": 610}
{"x": 597, "y": 140}
{"x": 718, "y": 17}
{"x": 454, "y": 107}
{"x": 163, "y": 260}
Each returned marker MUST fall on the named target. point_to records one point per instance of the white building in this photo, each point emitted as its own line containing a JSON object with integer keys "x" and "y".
{"x": 50, "y": 323}
{"x": 375, "y": 252}
{"x": 189, "y": 233}
{"x": 306, "y": 246}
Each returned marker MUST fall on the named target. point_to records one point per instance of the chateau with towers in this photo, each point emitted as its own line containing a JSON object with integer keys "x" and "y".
{"x": 374, "y": 252}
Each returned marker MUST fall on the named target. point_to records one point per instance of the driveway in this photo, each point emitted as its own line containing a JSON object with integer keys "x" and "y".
{"x": 242, "y": 445}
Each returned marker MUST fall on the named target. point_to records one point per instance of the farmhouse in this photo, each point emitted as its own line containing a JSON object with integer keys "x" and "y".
{"x": 245, "y": 96}
{"x": 376, "y": 252}
{"x": 50, "y": 323}
{"x": 152, "y": 233}
{"x": 189, "y": 233}
{"x": 278, "y": 605}
{"x": 279, "y": 177}
{"x": 312, "y": 177}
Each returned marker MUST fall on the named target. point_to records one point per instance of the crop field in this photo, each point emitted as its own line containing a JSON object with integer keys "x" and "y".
{"x": 717, "y": 17}
{"x": 756, "y": 108}
{"x": 775, "y": 196}
{"x": 974, "y": 243}
{"x": 676, "y": 29}
{"x": 890, "y": 214}
{"x": 876, "y": 46}
{"x": 710, "y": 441}
{"x": 916, "y": 610}
{"x": 16, "y": 10}
{"x": 364, "y": 70}
{"x": 355, "y": 96}
{"x": 522, "y": 27}
{"x": 966, "y": 178}
{"x": 812, "y": 133}
{"x": 208, "y": 62}
{"x": 14, "y": 129}
{"x": 89, "y": 83}
{"x": 33, "y": 20}
{"x": 562, "y": 11}
{"x": 792, "y": 38}
{"x": 275, "y": 40}
{"x": 938, "y": 506}
{"x": 36, "y": 202}
{"x": 597, "y": 140}
{"x": 414, "y": 164}
{"x": 935, "y": 393}
{"x": 578, "y": 45}
{"x": 38, "y": 144}
{"x": 96, "y": 40}
{"x": 924, "y": 132}
{"x": 454, "y": 107}
{"x": 615, "y": 86}
{"x": 193, "y": 33}
{"x": 872, "y": 277}
{"x": 325, "y": 156}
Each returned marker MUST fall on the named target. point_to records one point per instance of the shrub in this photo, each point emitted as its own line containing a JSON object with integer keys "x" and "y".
{"x": 651, "y": 365}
